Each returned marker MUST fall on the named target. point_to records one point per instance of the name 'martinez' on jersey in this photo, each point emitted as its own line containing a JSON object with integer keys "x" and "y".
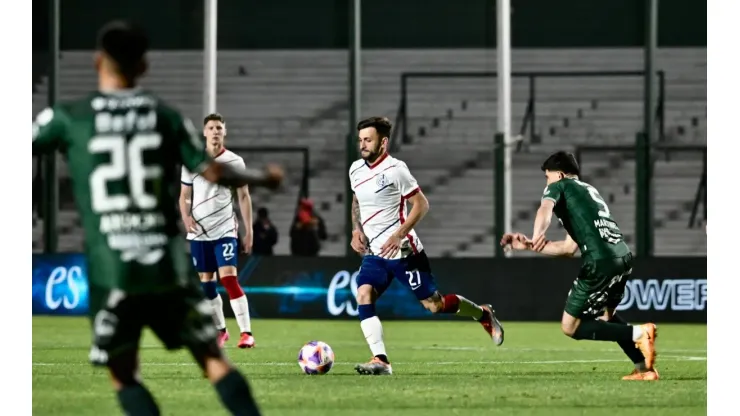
{"x": 212, "y": 205}
{"x": 382, "y": 190}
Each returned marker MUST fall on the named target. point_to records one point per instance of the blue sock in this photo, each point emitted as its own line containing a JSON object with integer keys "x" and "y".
{"x": 366, "y": 311}
{"x": 209, "y": 288}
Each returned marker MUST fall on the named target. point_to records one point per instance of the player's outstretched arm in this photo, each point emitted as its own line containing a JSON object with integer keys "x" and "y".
{"x": 541, "y": 224}
{"x": 520, "y": 242}
{"x": 233, "y": 177}
{"x": 562, "y": 248}
{"x": 192, "y": 154}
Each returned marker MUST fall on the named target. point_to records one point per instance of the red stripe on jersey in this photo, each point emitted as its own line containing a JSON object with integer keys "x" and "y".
{"x": 392, "y": 166}
{"x": 371, "y": 217}
{"x": 379, "y": 161}
{"x": 412, "y": 193}
{"x": 400, "y": 213}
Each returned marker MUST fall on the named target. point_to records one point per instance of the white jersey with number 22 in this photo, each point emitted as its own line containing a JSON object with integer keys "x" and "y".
{"x": 212, "y": 205}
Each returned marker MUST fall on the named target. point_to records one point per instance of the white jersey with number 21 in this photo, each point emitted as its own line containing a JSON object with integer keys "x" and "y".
{"x": 382, "y": 190}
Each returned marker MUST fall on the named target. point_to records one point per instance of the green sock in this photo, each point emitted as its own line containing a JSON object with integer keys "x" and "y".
{"x": 598, "y": 330}
{"x": 136, "y": 400}
{"x": 234, "y": 392}
{"x": 629, "y": 347}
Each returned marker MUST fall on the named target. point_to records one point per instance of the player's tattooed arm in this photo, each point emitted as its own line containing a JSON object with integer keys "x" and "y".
{"x": 359, "y": 240}
{"x": 356, "y": 219}
{"x": 541, "y": 224}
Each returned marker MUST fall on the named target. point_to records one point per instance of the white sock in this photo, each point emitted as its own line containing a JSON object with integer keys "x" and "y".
{"x": 241, "y": 310}
{"x": 468, "y": 308}
{"x": 636, "y": 332}
{"x": 373, "y": 330}
{"x": 218, "y": 312}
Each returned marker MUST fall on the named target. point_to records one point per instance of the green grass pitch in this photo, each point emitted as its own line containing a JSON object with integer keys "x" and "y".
{"x": 440, "y": 368}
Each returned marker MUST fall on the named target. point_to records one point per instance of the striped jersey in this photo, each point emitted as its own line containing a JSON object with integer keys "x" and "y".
{"x": 212, "y": 205}
{"x": 382, "y": 190}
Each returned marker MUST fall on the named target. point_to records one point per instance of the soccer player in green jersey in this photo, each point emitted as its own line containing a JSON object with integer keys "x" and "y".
{"x": 590, "y": 310}
{"x": 124, "y": 148}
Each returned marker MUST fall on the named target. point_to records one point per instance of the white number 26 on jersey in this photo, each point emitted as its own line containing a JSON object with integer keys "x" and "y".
{"x": 126, "y": 159}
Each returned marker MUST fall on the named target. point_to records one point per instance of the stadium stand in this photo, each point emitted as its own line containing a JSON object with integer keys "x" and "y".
{"x": 299, "y": 98}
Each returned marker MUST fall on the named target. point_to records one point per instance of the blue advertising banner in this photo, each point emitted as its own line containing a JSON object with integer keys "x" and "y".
{"x": 59, "y": 284}
{"x": 661, "y": 289}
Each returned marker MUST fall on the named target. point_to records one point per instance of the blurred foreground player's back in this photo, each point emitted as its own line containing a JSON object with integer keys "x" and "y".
{"x": 124, "y": 147}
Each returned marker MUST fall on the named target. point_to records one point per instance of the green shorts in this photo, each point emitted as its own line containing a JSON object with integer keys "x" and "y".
{"x": 180, "y": 318}
{"x": 600, "y": 285}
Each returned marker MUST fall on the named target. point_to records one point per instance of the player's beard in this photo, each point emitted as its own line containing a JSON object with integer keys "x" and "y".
{"x": 373, "y": 155}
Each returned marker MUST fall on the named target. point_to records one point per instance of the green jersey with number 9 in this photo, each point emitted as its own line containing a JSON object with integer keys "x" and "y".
{"x": 587, "y": 219}
{"x": 124, "y": 150}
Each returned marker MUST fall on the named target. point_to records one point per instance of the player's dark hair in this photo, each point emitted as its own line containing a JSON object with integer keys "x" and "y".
{"x": 214, "y": 117}
{"x": 381, "y": 124}
{"x": 126, "y": 44}
{"x": 562, "y": 161}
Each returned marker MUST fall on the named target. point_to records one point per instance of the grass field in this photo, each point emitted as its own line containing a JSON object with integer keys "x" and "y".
{"x": 439, "y": 368}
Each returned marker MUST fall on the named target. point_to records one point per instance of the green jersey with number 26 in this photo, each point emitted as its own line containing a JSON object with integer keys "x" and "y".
{"x": 587, "y": 219}
{"x": 124, "y": 150}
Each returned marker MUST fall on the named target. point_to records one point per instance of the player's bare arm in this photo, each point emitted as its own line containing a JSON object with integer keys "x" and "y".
{"x": 359, "y": 240}
{"x": 541, "y": 224}
{"x": 186, "y": 193}
{"x": 232, "y": 177}
{"x": 515, "y": 241}
{"x": 419, "y": 208}
{"x": 562, "y": 248}
{"x": 245, "y": 208}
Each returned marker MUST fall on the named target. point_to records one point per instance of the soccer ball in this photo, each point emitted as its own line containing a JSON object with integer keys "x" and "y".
{"x": 316, "y": 357}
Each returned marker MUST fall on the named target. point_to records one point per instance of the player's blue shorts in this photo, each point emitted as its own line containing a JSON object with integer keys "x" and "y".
{"x": 414, "y": 272}
{"x": 208, "y": 256}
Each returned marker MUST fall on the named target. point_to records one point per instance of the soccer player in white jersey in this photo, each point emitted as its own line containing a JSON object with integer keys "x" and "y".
{"x": 383, "y": 233}
{"x": 209, "y": 218}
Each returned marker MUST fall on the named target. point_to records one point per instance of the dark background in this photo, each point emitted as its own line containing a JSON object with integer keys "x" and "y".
{"x": 322, "y": 24}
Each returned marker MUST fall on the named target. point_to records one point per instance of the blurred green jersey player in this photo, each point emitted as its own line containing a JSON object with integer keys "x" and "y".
{"x": 590, "y": 309}
{"x": 124, "y": 147}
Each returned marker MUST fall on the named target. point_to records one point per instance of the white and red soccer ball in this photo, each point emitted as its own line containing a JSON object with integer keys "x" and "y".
{"x": 316, "y": 357}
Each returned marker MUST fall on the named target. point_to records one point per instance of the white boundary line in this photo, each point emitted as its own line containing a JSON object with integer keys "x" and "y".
{"x": 548, "y": 349}
{"x": 280, "y": 364}
{"x": 450, "y": 348}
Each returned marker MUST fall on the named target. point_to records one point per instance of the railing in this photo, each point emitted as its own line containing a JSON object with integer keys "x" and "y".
{"x": 664, "y": 150}
{"x": 529, "y": 121}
